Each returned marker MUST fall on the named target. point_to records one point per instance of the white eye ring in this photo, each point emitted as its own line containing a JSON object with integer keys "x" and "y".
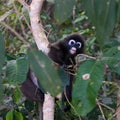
{"x": 71, "y": 42}
{"x": 79, "y": 44}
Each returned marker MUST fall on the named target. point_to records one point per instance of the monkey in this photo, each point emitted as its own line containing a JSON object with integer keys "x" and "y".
{"x": 63, "y": 53}
{"x": 32, "y": 91}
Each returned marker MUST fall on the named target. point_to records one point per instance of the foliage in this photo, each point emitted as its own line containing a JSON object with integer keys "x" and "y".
{"x": 45, "y": 72}
{"x": 104, "y": 19}
{"x": 13, "y": 114}
{"x": 64, "y": 8}
{"x": 88, "y": 82}
{"x": 17, "y": 69}
{"x": 96, "y": 80}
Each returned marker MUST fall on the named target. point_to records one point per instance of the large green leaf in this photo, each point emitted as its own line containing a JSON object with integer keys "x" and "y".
{"x": 103, "y": 15}
{"x": 17, "y": 70}
{"x": 45, "y": 71}
{"x": 63, "y": 9}
{"x": 88, "y": 81}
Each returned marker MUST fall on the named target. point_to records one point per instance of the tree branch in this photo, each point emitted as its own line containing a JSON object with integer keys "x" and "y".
{"x": 36, "y": 25}
{"x": 42, "y": 44}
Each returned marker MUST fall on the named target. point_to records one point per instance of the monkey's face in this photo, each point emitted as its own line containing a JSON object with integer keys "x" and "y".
{"x": 75, "y": 47}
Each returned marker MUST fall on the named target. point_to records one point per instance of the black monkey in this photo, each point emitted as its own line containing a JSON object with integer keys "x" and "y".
{"x": 32, "y": 91}
{"x": 63, "y": 53}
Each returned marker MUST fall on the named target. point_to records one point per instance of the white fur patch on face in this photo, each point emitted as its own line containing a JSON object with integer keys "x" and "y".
{"x": 73, "y": 50}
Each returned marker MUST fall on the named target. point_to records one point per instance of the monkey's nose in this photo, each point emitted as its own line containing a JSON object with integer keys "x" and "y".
{"x": 73, "y": 50}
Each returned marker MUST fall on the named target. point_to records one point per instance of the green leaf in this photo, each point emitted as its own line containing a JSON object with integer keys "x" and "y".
{"x": 17, "y": 95}
{"x": 45, "y": 71}
{"x": 14, "y": 115}
{"x": 18, "y": 115}
{"x": 112, "y": 58}
{"x": 9, "y": 115}
{"x": 103, "y": 15}
{"x": 86, "y": 87}
{"x": 63, "y": 9}
{"x": 17, "y": 70}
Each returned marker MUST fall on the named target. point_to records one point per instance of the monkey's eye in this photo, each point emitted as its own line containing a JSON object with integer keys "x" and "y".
{"x": 79, "y": 44}
{"x": 72, "y": 42}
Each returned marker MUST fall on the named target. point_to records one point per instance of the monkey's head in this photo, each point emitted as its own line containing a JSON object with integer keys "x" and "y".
{"x": 74, "y": 44}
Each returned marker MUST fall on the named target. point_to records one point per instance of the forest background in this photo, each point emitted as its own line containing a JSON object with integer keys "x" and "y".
{"x": 97, "y": 97}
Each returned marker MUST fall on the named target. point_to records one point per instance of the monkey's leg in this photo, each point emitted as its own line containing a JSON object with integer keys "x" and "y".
{"x": 67, "y": 95}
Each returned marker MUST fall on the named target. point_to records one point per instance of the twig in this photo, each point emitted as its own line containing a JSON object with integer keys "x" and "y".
{"x": 5, "y": 15}
{"x": 98, "y": 103}
{"x": 71, "y": 104}
{"x": 111, "y": 118}
{"x": 112, "y": 83}
{"x": 87, "y": 56}
{"x": 107, "y": 107}
{"x": 13, "y": 31}
{"x": 3, "y": 107}
{"x": 22, "y": 2}
{"x": 21, "y": 24}
{"x": 26, "y": 21}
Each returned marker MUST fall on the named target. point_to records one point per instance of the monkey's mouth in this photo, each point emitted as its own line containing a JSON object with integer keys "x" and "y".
{"x": 73, "y": 50}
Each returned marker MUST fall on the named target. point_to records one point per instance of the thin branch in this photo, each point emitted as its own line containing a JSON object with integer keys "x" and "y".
{"x": 14, "y": 32}
{"x": 107, "y": 107}
{"x": 111, "y": 83}
{"x": 26, "y": 22}
{"x": 22, "y": 2}
{"x": 71, "y": 104}
{"x": 21, "y": 24}
{"x": 36, "y": 25}
{"x": 103, "y": 116}
{"x": 5, "y": 15}
{"x": 87, "y": 56}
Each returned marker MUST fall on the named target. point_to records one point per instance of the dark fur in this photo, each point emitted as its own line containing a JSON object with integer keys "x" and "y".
{"x": 59, "y": 53}
{"x": 32, "y": 92}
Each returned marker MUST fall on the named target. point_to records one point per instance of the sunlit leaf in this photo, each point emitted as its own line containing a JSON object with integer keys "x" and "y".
{"x": 17, "y": 95}
{"x": 9, "y": 115}
{"x": 86, "y": 87}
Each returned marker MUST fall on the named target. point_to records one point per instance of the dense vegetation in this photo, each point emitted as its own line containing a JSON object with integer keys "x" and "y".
{"x": 97, "y": 81}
